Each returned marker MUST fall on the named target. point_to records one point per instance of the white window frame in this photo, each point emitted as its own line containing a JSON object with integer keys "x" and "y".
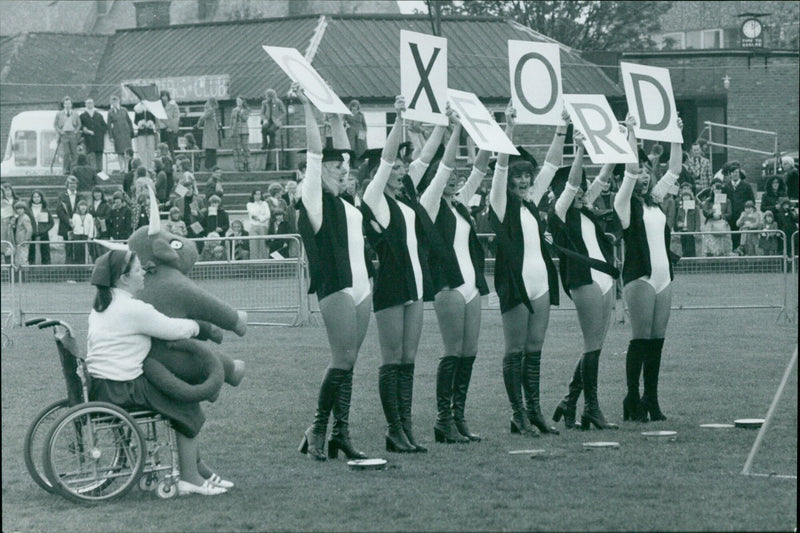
{"x": 678, "y": 36}
{"x": 703, "y": 38}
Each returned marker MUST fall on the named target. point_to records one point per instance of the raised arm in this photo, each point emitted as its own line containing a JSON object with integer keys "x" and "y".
{"x": 311, "y": 186}
{"x": 552, "y": 161}
{"x": 498, "y": 194}
{"x": 669, "y": 179}
{"x": 622, "y": 201}
{"x": 373, "y": 194}
{"x": 475, "y": 177}
{"x": 338, "y": 132}
{"x": 430, "y": 198}
{"x": 593, "y": 193}
{"x": 574, "y": 180}
{"x": 418, "y": 167}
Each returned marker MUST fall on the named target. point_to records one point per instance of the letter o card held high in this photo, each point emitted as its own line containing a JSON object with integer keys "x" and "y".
{"x": 591, "y": 114}
{"x": 479, "y": 123}
{"x": 299, "y": 70}
{"x": 535, "y": 70}
{"x": 650, "y": 99}
{"x": 423, "y": 76}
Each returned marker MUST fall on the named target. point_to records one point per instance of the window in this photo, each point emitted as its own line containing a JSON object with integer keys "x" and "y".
{"x": 694, "y": 40}
{"x": 671, "y": 41}
{"x": 703, "y": 39}
{"x": 25, "y": 148}
{"x": 47, "y": 147}
{"x": 152, "y": 14}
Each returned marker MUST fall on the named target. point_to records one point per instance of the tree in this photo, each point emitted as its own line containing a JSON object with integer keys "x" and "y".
{"x": 581, "y": 24}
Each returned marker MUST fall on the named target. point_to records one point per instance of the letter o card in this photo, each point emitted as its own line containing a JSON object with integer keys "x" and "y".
{"x": 535, "y": 70}
{"x": 423, "y": 76}
{"x": 299, "y": 70}
{"x": 648, "y": 91}
{"x": 591, "y": 115}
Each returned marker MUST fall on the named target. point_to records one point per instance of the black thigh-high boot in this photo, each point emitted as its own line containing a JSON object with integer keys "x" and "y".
{"x": 652, "y": 367}
{"x": 531, "y": 365}
{"x": 313, "y": 441}
{"x": 396, "y": 440}
{"x": 591, "y": 409}
{"x": 463, "y": 375}
{"x": 405, "y": 394}
{"x": 445, "y": 429}
{"x": 340, "y": 434}
{"x": 632, "y": 404}
{"x": 567, "y": 406}
{"x": 512, "y": 378}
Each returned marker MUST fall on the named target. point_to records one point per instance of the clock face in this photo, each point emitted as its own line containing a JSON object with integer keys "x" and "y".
{"x": 751, "y": 28}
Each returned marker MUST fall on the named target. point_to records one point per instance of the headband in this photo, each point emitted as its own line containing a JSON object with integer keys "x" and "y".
{"x": 109, "y": 267}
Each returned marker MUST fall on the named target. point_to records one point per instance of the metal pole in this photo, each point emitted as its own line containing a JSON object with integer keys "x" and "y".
{"x": 749, "y": 463}
{"x": 710, "y": 148}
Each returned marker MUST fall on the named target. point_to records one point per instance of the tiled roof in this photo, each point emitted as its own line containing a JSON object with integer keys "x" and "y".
{"x": 205, "y": 49}
{"x": 43, "y": 67}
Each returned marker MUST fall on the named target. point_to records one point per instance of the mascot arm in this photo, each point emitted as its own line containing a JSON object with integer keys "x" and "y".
{"x": 202, "y": 305}
{"x": 185, "y": 371}
{"x": 208, "y": 332}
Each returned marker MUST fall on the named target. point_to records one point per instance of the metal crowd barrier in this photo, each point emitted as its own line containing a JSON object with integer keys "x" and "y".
{"x": 791, "y": 310}
{"x": 8, "y": 301}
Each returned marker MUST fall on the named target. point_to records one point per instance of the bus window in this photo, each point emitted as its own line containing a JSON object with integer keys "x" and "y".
{"x": 25, "y": 148}
{"x": 49, "y": 142}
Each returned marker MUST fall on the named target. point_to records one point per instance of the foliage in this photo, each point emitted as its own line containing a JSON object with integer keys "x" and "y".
{"x": 581, "y": 24}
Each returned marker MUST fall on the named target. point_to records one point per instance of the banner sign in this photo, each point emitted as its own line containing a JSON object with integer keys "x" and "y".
{"x": 535, "y": 70}
{"x": 591, "y": 115}
{"x": 184, "y": 88}
{"x": 300, "y": 71}
{"x": 479, "y": 123}
{"x": 423, "y": 76}
{"x": 650, "y": 99}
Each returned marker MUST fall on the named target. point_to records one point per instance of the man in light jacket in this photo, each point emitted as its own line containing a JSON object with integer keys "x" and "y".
{"x": 168, "y": 129}
{"x": 68, "y": 125}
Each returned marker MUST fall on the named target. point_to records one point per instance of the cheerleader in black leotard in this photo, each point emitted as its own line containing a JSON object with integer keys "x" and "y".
{"x": 333, "y": 238}
{"x": 647, "y": 276}
{"x": 586, "y": 258}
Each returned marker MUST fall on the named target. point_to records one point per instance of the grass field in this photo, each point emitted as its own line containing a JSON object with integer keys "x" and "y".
{"x": 719, "y": 365}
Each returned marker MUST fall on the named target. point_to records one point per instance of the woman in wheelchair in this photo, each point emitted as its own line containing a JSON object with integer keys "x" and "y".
{"x": 120, "y": 329}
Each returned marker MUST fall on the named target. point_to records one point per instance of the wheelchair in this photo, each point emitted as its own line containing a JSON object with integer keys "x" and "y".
{"x": 89, "y": 451}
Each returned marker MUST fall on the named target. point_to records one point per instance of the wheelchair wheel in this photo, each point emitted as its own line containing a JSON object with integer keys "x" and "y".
{"x": 35, "y": 440}
{"x": 166, "y": 489}
{"x": 95, "y": 452}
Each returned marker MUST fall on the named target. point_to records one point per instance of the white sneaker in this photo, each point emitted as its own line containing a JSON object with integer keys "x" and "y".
{"x": 219, "y": 482}
{"x": 206, "y": 489}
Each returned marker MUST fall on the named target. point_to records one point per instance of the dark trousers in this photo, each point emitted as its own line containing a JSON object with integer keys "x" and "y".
{"x": 169, "y": 137}
{"x": 96, "y": 160}
{"x": 69, "y": 145}
{"x": 211, "y": 158}
{"x": 687, "y": 245}
{"x": 44, "y": 249}
{"x": 79, "y": 250}
{"x": 268, "y": 137}
{"x": 736, "y": 238}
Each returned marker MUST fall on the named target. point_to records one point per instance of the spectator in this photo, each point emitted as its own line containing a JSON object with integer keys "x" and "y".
{"x": 301, "y": 172}
{"x": 774, "y": 190}
{"x": 82, "y": 230}
{"x": 166, "y": 158}
{"x": 786, "y": 217}
{"x": 739, "y": 192}
{"x": 120, "y": 222}
{"x": 770, "y": 240}
{"x": 750, "y": 219}
{"x": 42, "y": 222}
{"x": 174, "y": 223}
{"x": 143, "y": 182}
{"x": 23, "y": 230}
{"x": 67, "y": 204}
{"x": 193, "y": 149}
{"x": 213, "y": 249}
{"x": 216, "y": 219}
{"x": 164, "y": 183}
{"x": 214, "y": 184}
{"x": 278, "y": 226}
{"x": 688, "y": 219}
{"x": 276, "y": 203}
{"x": 241, "y": 133}
{"x": 99, "y": 210}
{"x": 145, "y": 140}
{"x": 86, "y": 174}
{"x": 668, "y": 207}
{"x": 685, "y": 175}
{"x": 208, "y": 122}
{"x": 272, "y": 112}
{"x": 699, "y": 168}
{"x": 192, "y": 206}
{"x": 240, "y": 247}
{"x": 717, "y": 213}
{"x": 356, "y": 126}
{"x": 483, "y": 228}
{"x": 93, "y": 128}
{"x": 140, "y": 212}
{"x": 168, "y": 128}
{"x": 120, "y": 130}
{"x": 603, "y": 208}
{"x": 790, "y": 177}
{"x": 68, "y": 125}
{"x": 350, "y": 193}
{"x": 291, "y": 196}
{"x": 7, "y": 215}
{"x": 127, "y": 181}
{"x": 258, "y": 214}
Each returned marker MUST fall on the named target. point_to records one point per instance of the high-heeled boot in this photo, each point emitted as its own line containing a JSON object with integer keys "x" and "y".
{"x": 652, "y": 367}
{"x": 512, "y": 378}
{"x": 591, "y": 409}
{"x": 567, "y": 406}
{"x": 313, "y": 442}
{"x": 445, "y": 429}
{"x": 530, "y": 385}
{"x": 340, "y": 434}
{"x": 632, "y": 404}
{"x": 405, "y": 394}
{"x": 463, "y": 375}
{"x": 396, "y": 440}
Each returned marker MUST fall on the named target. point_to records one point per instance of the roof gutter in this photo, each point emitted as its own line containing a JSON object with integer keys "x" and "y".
{"x": 316, "y": 39}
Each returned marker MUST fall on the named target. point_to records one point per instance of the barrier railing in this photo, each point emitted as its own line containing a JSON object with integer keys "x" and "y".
{"x": 791, "y": 300}
{"x": 8, "y": 301}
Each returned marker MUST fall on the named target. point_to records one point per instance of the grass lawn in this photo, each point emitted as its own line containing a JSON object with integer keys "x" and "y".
{"x": 719, "y": 365}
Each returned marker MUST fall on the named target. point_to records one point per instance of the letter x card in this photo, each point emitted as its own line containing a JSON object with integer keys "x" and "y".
{"x": 423, "y": 76}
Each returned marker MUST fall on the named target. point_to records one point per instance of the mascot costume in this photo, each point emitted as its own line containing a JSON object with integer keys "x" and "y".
{"x": 184, "y": 370}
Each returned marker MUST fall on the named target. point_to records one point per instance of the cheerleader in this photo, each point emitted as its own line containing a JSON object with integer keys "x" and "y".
{"x": 585, "y": 260}
{"x": 525, "y": 277}
{"x": 395, "y": 232}
{"x": 646, "y": 275}
{"x": 333, "y": 238}
{"x": 457, "y": 270}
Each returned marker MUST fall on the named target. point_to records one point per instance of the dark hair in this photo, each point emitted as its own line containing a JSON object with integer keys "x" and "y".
{"x": 82, "y": 160}
{"x": 253, "y": 195}
{"x": 102, "y": 194}
{"x": 41, "y": 195}
{"x": 103, "y": 297}
{"x": 165, "y": 93}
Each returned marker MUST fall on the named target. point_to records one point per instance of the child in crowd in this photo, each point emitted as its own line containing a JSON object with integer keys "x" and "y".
{"x": 174, "y": 223}
{"x": 687, "y": 219}
{"x": 120, "y": 223}
{"x": 717, "y": 209}
{"x": 750, "y": 219}
{"x": 216, "y": 219}
{"x": 23, "y": 229}
{"x": 769, "y": 240}
{"x": 241, "y": 247}
{"x": 213, "y": 249}
{"x": 83, "y": 229}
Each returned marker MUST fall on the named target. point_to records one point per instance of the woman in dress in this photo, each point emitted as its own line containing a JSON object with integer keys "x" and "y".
{"x": 43, "y": 223}
{"x": 210, "y": 125}
{"x": 258, "y": 214}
